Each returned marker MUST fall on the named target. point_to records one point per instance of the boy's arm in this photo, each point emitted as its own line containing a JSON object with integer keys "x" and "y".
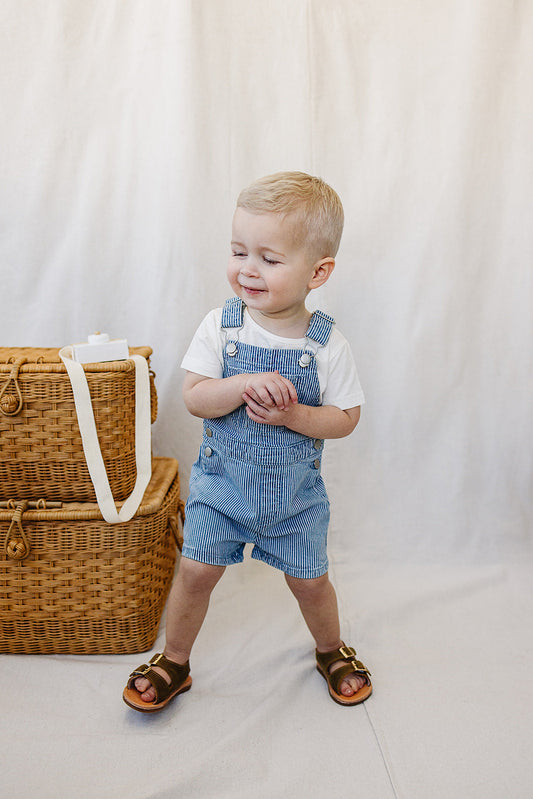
{"x": 210, "y": 397}
{"x": 323, "y": 421}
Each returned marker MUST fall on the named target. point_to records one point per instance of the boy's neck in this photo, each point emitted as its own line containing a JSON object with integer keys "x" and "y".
{"x": 293, "y": 326}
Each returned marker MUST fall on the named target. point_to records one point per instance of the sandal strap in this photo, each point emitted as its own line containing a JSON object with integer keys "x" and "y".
{"x": 336, "y": 677}
{"x": 177, "y": 672}
{"x": 352, "y": 665}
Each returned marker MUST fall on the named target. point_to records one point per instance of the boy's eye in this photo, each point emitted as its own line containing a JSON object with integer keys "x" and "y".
{"x": 269, "y": 261}
{"x": 239, "y": 254}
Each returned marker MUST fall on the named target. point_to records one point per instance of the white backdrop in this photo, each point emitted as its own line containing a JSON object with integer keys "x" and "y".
{"x": 128, "y": 129}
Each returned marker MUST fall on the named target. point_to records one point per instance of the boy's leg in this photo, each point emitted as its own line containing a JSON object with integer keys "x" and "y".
{"x": 318, "y": 602}
{"x": 187, "y": 606}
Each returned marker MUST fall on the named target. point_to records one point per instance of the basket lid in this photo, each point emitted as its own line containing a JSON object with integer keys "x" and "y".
{"x": 164, "y": 471}
{"x": 46, "y": 359}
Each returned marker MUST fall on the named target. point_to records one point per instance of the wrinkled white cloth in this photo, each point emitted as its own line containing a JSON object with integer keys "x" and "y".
{"x": 128, "y": 130}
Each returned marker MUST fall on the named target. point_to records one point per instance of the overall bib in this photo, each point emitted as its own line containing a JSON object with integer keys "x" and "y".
{"x": 258, "y": 483}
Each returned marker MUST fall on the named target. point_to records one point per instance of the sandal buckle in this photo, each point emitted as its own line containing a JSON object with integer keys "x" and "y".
{"x": 347, "y": 652}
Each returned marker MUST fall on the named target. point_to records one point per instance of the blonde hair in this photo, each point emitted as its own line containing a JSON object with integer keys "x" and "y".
{"x": 316, "y": 206}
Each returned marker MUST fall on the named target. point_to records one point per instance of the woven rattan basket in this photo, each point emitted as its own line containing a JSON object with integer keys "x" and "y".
{"x": 72, "y": 583}
{"x": 41, "y": 451}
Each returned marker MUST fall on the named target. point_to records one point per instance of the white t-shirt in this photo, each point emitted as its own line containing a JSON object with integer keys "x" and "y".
{"x": 337, "y": 373}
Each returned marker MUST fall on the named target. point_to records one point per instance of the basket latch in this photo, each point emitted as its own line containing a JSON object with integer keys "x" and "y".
{"x": 16, "y": 543}
{"x": 11, "y": 404}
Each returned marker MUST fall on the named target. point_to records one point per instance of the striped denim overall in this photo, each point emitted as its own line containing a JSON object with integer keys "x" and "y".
{"x": 259, "y": 483}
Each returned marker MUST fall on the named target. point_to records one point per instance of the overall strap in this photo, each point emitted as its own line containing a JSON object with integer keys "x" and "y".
{"x": 233, "y": 313}
{"x": 320, "y": 327}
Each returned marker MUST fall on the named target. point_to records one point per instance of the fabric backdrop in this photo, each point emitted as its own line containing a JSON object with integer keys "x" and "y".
{"x": 128, "y": 129}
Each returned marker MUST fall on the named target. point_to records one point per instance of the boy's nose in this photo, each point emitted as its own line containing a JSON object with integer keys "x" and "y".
{"x": 249, "y": 268}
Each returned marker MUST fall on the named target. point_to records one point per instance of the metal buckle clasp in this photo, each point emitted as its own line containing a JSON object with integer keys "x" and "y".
{"x": 348, "y": 652}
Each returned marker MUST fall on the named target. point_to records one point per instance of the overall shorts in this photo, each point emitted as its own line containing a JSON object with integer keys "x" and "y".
{"x": 257, "y": 483}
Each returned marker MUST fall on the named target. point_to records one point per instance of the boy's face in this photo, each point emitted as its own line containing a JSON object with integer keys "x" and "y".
{"x": 269, "y": 268}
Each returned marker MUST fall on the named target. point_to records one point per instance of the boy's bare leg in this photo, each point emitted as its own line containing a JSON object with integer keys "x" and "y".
{"x": 318, "y": 603}
{"x": 187, "y": 606}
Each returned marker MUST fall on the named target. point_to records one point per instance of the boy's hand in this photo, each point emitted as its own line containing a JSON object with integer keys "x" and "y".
{"x": 267, "y": 415}
{"x": 269, "y": 390}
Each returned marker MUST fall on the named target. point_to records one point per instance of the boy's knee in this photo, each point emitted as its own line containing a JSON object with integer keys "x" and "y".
{"x": 309, "y": 589}
{"x": 199, "y": 577}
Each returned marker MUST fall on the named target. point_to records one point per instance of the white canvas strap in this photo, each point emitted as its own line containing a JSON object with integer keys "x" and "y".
{"x": 91, "y": 446}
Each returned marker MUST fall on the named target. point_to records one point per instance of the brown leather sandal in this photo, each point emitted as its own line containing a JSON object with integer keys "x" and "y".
{"x": 164, "y": 692}
{"x": 352, "y": 666}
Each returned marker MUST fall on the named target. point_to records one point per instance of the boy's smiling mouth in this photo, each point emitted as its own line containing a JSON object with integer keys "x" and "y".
{"x": 250, "y": 290}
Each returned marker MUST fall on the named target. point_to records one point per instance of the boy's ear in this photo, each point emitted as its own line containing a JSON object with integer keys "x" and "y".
{"x": 321, "y": 272}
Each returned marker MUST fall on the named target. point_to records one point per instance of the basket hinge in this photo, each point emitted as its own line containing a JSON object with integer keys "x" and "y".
{"x": 11, "y": 404}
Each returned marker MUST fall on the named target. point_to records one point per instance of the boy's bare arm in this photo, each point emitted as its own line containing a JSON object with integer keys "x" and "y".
{"x": 324, "y": 421}
{"x": 209, "y": 397}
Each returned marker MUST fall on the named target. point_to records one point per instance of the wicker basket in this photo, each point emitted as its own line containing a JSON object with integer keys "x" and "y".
{"x": 71, "y": 583}
{"x": 41, "y": 451}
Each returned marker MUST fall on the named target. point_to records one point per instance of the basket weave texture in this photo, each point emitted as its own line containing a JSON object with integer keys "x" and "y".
{"x": 41, "y": 450}
{"x": 83, "y": 586}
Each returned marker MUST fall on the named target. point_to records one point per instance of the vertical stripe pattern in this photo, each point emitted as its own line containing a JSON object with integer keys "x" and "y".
{"x": 256, "y": 483}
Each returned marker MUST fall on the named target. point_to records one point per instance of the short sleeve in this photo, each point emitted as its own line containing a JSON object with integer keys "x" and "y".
{"x": 343, "y": 388}
{"x": 204, "y": 356}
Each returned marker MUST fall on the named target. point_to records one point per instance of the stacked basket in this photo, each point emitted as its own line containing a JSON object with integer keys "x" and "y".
{"x": 70, "y": 582}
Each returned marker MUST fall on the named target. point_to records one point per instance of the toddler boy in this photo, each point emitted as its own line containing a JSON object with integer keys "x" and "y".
{"x": 271, "y": 381}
